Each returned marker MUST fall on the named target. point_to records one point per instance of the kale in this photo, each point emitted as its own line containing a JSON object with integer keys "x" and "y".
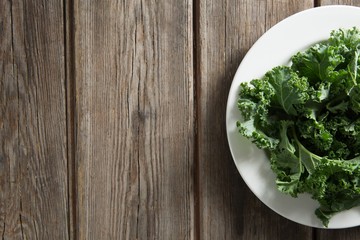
{"x": 307, "y": 115}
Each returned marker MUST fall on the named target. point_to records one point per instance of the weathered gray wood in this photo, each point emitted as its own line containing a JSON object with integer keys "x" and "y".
{"x": 134, "y": 119}
{"x": 33, "y": 162}
{"x": 228, "y": 210}
{"x": 343, "y": 234}
{"x": 351, "y": 233}
{"x": 339, "y": 2}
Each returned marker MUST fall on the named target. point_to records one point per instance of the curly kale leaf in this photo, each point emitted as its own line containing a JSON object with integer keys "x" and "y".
{"x": 285, "y": 163}
{"x": 319, "y": 62}
{"x": 335, "y": 185}
{"x": 290, "y": 89}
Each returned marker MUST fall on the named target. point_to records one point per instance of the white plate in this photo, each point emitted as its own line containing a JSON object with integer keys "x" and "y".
{"x": 274, "y": 48}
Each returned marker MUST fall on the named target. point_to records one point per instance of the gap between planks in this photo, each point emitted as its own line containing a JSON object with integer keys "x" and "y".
{"x": 197, "y": 84}
{"x": 70, "y": 81}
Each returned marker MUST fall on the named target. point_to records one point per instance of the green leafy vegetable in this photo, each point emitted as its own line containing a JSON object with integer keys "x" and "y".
{"x": 307, "y": 116}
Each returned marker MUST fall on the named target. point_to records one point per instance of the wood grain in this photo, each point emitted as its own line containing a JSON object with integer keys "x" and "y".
{"x": 351, "y": 233}
{"x": 33, "y": 162}
{"x": 339, "y": 2}
{"x": 134, "y": 119}
{"x": 228, "y": 210}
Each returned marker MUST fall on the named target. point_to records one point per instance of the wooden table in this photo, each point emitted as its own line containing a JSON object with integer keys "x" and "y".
{"x": 112, "y": 120}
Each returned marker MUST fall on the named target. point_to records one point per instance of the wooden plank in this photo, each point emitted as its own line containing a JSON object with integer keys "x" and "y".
{"x": 33, "y": 162}
{"x": 343, "y": 234}
{"x": 339, "y": 2}
{"x": 134, "y": 119}
{"x": 228, "y": 210}
{"x": 351, "y": 233}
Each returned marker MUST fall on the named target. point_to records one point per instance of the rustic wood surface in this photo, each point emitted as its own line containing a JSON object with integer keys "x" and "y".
{"x": 112, "y": 120}
{"x": 33, "y": 151}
